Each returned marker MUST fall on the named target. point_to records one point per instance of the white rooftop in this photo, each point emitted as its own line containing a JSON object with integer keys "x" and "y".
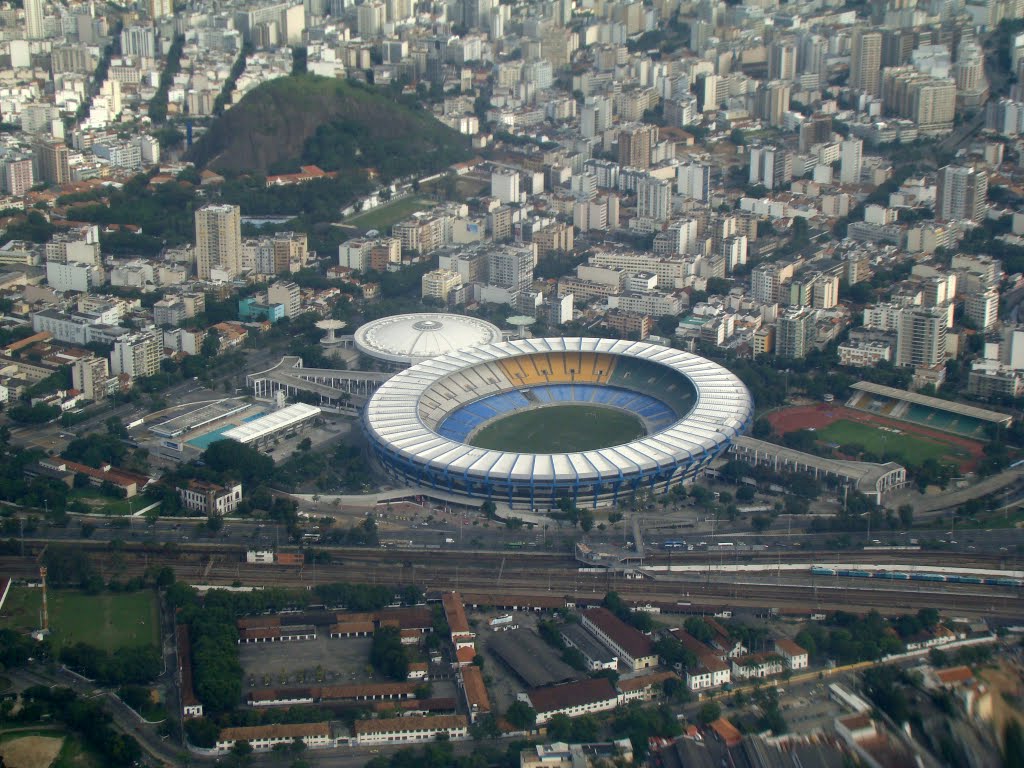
{"x": 413, "y": 338}
{"x": 272, "y": 422}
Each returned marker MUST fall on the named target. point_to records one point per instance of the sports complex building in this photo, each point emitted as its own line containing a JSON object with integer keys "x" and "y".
{"x": 533, "y": 421}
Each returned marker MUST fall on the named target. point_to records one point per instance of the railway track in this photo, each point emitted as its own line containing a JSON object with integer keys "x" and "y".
{"x": 523, "y": 577}
{"x": 541, "y": 558}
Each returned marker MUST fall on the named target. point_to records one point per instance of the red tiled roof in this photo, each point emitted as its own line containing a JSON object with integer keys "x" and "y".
{"x": 555, "y": 697}
{"x": 632, "y": 641}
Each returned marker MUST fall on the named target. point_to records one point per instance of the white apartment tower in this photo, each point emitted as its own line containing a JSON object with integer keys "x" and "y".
{"x": 654, "y": 199}
{"x": 982, "y": 308}
{"x": 218, "y": 241}
{"x": 137, "y": 354}
{"x": 866, "y": 62}
{"x": 505, "y": 186}
{"x": 921, "y": 337}
{"x": 850, "y": 160}
{"x": 770, "y": 167}
{"x": 962, "y": 194}
{"x": 34, "y": 20}
{"x": 693, "y": 180}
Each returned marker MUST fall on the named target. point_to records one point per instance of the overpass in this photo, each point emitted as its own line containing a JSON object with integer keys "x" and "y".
{"x": 335, "y": 389}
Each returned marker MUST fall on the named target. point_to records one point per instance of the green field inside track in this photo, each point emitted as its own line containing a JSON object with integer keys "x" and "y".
{"x": 384, "y": 216}
{"x": 874, "y": 439}
{"x": 560, "y": 429}
{"x": 108, "y": 620}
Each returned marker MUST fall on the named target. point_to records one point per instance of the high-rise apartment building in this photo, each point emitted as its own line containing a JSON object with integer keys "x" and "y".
{"x": 866, "y": 62}
{"x": 773, "y": 102}
{"x": 693, "y": 180}
{"x": 218, "y": 241}
{"x": 159, "y": 9}
{"x": 921, "y": 337}
{"x": 795, "y": 334}
{"x": 850, "y": 160}
{"x": 510, "y": 267}
{"x": 962, "y": 194}
{"x": 654, "y": 199}
{"x": 89, "y": 376}
{"x": 505, "y": 186}
{"x": 17, "y": 177}
{"x": 982, "y": 308}
{"x": 51, "y": 162}
{"x": 34, "y": 20}
{"x": 635, "y": 143}
{"x": 137, "y": 354}
{"x": 782, "y": 60}
{"x": 288, "y": 295}
{"x": 439, "y": 283}
{"x": 771, "y": 167}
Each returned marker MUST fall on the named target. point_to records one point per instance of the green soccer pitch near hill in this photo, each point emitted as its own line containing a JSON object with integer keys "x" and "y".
{"x": 560, "y": 429}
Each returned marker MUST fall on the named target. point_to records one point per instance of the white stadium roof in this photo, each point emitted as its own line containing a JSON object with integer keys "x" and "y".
{"x": 272, "y": 423}
{"x": 413, "y": 338}
{"x": 722, "y": 410}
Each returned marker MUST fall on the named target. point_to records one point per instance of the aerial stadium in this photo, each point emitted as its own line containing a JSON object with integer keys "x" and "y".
{"x": 530, "y": 422}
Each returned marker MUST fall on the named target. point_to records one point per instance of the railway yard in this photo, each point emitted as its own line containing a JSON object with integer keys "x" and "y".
{"x": 710, "y": 583}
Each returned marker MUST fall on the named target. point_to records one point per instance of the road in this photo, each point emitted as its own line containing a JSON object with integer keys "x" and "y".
{"x": 125, "y": 718}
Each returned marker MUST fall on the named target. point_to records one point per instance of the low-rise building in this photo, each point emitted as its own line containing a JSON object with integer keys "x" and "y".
{"x": 632, "y": 647}
{"x": 410, "y": 730}
{"x": 595, "y": 654}
{"x": 864, "y": 354}
{"x": 474, "y": 692}
{"x": 573, "y": 699}
{"x": 265, "y": 737}
{"x": 210, "y": 498}
{"x": 756, "y": 666}
{"x": 792, "y": 654}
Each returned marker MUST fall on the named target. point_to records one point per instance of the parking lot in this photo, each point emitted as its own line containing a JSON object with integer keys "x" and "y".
{"x": 323, "y": 661}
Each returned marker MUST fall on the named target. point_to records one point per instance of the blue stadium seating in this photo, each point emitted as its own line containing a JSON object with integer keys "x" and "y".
{"x": 461, "y": 423}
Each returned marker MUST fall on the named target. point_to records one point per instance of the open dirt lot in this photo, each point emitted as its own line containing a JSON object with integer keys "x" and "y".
{"x": 341, "y": 661}
{"x": 31, "y": 751}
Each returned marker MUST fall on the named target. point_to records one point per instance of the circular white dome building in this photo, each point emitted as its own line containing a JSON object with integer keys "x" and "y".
{"x": 405, "y": 340}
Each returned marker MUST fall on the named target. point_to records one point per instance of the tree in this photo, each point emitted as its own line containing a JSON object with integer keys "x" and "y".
{"x": 560, "y": 728}
{"x": 586, "y": 520}
{"x": 241, "y": 749}
{"x": 906, "y": 512}
{"x": 521, "y": 715}
{"x": 211, "y": 344}
{"x": 387, "y": 654}
{"x": 709, "y": 712}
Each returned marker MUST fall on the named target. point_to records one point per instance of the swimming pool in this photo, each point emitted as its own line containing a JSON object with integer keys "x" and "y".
{"x": 203, "y": 441}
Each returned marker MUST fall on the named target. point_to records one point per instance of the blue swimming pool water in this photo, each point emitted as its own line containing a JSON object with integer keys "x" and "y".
{"x": 203, "y": 441}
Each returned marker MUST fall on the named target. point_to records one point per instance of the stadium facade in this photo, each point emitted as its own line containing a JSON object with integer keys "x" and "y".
{"x": 419, "y": 421}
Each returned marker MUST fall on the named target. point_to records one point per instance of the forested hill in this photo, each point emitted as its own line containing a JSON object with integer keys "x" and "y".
{"x": 335, "y": 124}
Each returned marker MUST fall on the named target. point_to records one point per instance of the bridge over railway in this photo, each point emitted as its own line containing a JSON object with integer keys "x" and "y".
{"x": 341, "y": 390}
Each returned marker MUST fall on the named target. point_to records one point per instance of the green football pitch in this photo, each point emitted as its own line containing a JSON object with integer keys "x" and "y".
{"x": 876, "y": 440}
{"x": 107, "y": 620}
{"x": 560, "y": 429}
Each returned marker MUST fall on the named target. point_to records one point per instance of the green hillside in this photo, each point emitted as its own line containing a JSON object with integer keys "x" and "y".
{"x": 336, "y": 124}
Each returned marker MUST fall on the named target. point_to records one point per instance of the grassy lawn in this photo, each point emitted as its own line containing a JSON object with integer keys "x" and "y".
{"x": 560, "y": 429}
{"x": 876, "y": 440}
{"x": 105, "y": 505}
{"x": 74, "y": 754}
{"x": 108, "y": 620}
{"x": 383, "y": 216}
